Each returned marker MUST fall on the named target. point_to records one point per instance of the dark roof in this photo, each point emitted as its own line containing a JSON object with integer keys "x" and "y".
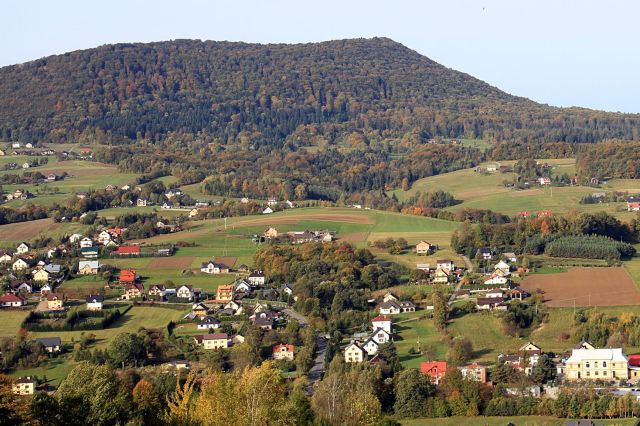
{"x": 95, "y": 298}
{"x": 49, "y": 341}
{"x": 490, "y": 300}
{"x": 389, "y": 304}
{"x": 215, "y": 336}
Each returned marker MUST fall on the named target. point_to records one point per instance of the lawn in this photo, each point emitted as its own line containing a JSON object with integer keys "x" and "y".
{"x": 131, "y": 322}
{"x": 500, "y": 421}
{"x": 548, "y": 336}
{"x": 10, "y": 321}
{"x": 55, "y": 370}
{"x": 485, "y": 331}
{"x": 420, "y": 333}
{"x": 486, "y": 191}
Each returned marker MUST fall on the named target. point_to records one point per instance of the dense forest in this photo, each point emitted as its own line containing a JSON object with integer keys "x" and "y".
{"x": 610, "y": 159}
{"x": 269, "y": 95}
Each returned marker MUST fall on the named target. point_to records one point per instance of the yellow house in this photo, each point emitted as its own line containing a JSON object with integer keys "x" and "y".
{"x": 354, "y": 353}
{"x": 41, "y": 275}
{"x": 271, "y": 233}
{"x": 441, "y": 276}
{"x": 592, "y": 364}
{"x": 213, "y": 340}
{"x": 24, "y": 386}
{"x": 424, "y": 247}
{"x": 55, "y": 301}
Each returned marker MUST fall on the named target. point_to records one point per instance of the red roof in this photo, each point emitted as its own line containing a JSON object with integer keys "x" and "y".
{"x": 524, "y": 214}
{"x": 128, "y": 275}
{"x": 434, "y": 369}
{"x": 381, "y": 318}
{"x": 140, "y": 287}
{"x": 117, "y": 231}
{"x": 128, "y": 250}
{"x": 10, "y": 298}
{"x": 278, "y": 348}
{"x": 634, "y": 360}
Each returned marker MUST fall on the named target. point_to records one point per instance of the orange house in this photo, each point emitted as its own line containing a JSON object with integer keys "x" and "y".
{"x": 436, "y": 370}
{"x": 127, "y": 276}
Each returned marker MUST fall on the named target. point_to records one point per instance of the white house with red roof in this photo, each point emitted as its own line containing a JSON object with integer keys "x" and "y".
{"x": 381, "y": 322}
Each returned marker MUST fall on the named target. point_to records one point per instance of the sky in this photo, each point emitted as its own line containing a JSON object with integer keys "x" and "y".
{"x": 562, "y": 52}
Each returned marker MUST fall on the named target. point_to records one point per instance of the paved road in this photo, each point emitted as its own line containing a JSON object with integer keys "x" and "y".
{"x": 318, "y": 368}
{"x": 298, "y": 317}
{"x": 317, "y": 371}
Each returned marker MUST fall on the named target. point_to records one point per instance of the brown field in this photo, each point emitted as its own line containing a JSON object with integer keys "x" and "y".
{"x": 171, "y": 262}
{"x": 354, "y": 237}
{"x": 585, "y": 287}
{"x": 26, "y": 230}
{"x": 230, "y": 261}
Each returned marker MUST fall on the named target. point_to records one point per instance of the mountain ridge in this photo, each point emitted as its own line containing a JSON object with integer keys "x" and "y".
{"x": 270, "y": 94}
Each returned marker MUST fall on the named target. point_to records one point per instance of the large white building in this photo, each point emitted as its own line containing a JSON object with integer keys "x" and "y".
{"x": 588, "y": 363}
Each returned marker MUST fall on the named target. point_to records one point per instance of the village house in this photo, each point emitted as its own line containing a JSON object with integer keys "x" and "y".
{"x": 490, "y": 304}
{"x": 20, "y": 287}
{"x": 127, "y": 251}
{"x": 380, "y": 336}
{"x": 494, "y": 293}
{"x": 496, "y": 279}
{"x": 424, "y": 267}
{"x": 45, "y": 289}
{"x": 381, "y": 322}
{"x": 185, "y": 292}
{"x": 40, "y": 275}
{"x": 224, "y": 293}
{"x": 256, "y": 278}
{"x": 394, "y": 307}
{"x": 435, "y": 370}
{"x": 263, "y": 320}
{"x": 94, "y": 302}
{"x": 19, "y": 265}
{"x": 22, "y": 248}
{"x": 270, "y": 233}
{"x": 283, "y": 351}
{"x": 445, "y": 264}
{"x": 242, "y": 286}
{"x": 10, "y": 300}
{"x": 141, "y": 202}
{"x": 441, "y": 276}
{"x": 55, "y": 301}
{"x": 193, "y": 212}
{"x": 633, "y": 204}
{"x": 234, "y": 308}
{"x": 214, "y": 268}
{"x": 484, "y": 253}
{"x": 475, "y": 372}
{"x": 88, "y": 267}
{"x": 510, "y": 257}
{"x": 424, "y": 247}
{"x": 212, "y": 340}
{"x": 127, "y": 276}
{"x": 5, "y": 256}
{"x": 370, "y": 346}
{"x": 354, "y": 353}
{"x": 268, "y": 210}
{"x": 503, "y": 267}
{"x": 544, "y": 180}
{"x": 103, "y": 237}
{"x": 207, "y": 323}
{"x": 157, "y": 290}
{"x": 50, "y": 344}
{"x": 24, "y": 386}
{"x": 199, "y": 310}
{"x": 593, "y": 364}
{"x": 133, "y": 290}
{"x": 53, "y": 268}
{"x": 90, "y": 252}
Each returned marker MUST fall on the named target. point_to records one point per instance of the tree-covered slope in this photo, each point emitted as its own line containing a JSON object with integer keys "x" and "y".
{"x": 254, "y": 95}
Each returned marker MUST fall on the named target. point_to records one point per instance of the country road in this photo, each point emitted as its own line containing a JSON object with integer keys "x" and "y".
{"x": 317, "y": 370}
{"x": 469, "y": 266}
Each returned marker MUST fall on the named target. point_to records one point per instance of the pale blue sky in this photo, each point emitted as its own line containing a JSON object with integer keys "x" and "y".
{"x": 563, "y": 52}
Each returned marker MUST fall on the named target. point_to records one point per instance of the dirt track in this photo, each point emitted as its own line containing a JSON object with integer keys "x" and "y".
{"x": 585, "y": 287}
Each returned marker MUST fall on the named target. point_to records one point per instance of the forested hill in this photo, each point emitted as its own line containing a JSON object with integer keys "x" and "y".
{"x": 255, "y": 95}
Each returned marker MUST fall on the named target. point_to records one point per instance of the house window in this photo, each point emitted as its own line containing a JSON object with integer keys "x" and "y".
{"x": 587, "y": 364}
{"x": 596, "y": 372}
{"x": 604, "y": 373}
{"x": 595, "y": 364}
{"x": 604, "y": 363}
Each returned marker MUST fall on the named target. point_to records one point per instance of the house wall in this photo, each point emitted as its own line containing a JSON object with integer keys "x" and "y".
{"x": 594, "y": 369}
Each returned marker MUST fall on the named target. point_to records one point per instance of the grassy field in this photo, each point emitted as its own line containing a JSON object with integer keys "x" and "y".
{"x": 54, "y": 370}
{"x": 486, "y": 191}
{"x": 83, "y": 176}
{"x": 10, "y": 322}
{"x": 500, "y": 421}
{"x": 131, "y": 322}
